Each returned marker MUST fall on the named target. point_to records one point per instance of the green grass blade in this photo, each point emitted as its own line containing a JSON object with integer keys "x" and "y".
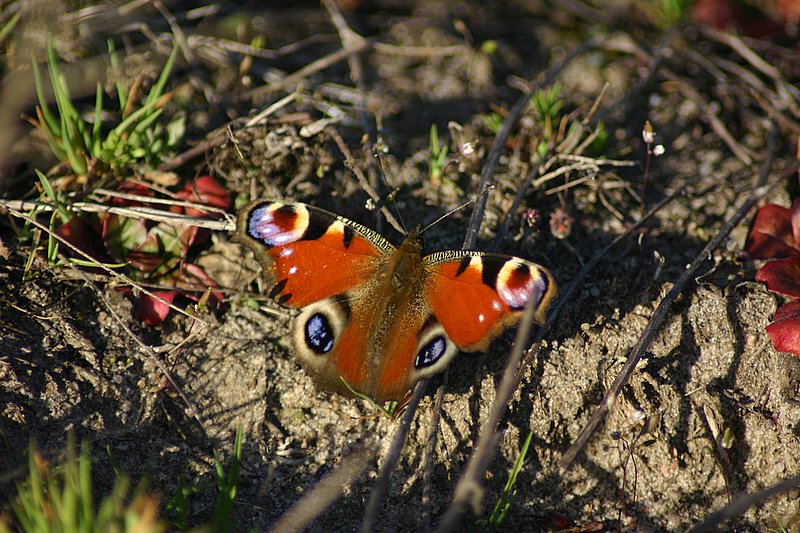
{"x": 122, "y": 95}
{"x": 29, "y": 511}
{"x": 96, "y": 143}
{"x": 9, "y": 26}
{"x": 54, "y": 143}
{"x": 147, "y": 121}
{"x": 75, "y": 129}
{"x": 52, "y": 243}
{"x": 51, "y": 123}
{"x": 60, "y": 89}
{"x": 433, "y": 140}
{"x": 157, "y": 91}
{"x": 86, "y": 263}
{"x": 58, "y": 499}
{"x": 84, "y": 135}
{"x": 503, "y": 505}
{"x": 129, "y": 122}
{"x": 54, "y": 198}
{"x": 77, "y": 163}
{"x": 228, "y": 486}
{"x": 73, "y": 132}
{"x": 85, "y": 486}
{"x": 67, "y": 501}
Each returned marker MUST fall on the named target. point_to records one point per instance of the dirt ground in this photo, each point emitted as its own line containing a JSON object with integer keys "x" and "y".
{"x": 724, "y": 119}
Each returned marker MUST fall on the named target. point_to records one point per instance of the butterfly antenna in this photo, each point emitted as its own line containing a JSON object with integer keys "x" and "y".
{"x": 379, "y": 149}
{"x": 462, "y": 206}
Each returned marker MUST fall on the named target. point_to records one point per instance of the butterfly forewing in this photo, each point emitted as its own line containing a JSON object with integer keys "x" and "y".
{"x": 307, "y": 253}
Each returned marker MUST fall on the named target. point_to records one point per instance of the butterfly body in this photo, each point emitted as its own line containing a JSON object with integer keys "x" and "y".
{"x": 381, "y": 317}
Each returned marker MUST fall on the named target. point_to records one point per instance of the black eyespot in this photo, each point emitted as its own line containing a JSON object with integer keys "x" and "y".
{"x": 431, "y": 352}
{"x": 319, "y": 333}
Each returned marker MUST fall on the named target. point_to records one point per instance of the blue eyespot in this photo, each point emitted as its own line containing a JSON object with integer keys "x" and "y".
{"x": 319, "y": 333}
{"x": 431, "y": 352}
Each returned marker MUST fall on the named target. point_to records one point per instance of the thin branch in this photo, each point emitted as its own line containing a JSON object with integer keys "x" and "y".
{"x": 690, "y": 92}
{"x": 351, "y": 163}
{"x": 522, "y": 192}
{"x": 468, "y": 487}
{"x": 469, "y": 491}
{"x": 484, "y": 451}
{"x": 261, "y": 116}
{"x": 348, "y": 38}
{"x": 624, "y": 43}
{"x": 296, "y": 77}
{"x": 429, "y": 455}
{"x": 195, "y": 151}
{"x": 742, "y": 503}
{"x": 114, "y": 274}
{"x": 565, "y": 297}
{"x": 381, "y": 487}
{"x": 744, "y": 51}
{"x": 324, "y": 493}
{"x": 148, "y": 351}
{"x": 144, "y": 213}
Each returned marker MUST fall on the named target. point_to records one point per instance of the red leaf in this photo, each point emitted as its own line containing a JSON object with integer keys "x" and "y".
{"x": 154, "y": 311}
{"x": 191, "y": 235}
{"x": 204, "y": 190}
{"x": 83, "y": 236}
{"x": 558, "y": 521}
{"x": 121, "y": 234}
{"x": 785, "y": 328}
{"x": 771, "y": 235}
{"x": 795, "y": 216}
{"x": 782, "y": 276}
{"x": 726, "y": 14}
{"x": 188, "y": 282}
{"x": 130, "y": 187}
{"x": 788, "y": 9}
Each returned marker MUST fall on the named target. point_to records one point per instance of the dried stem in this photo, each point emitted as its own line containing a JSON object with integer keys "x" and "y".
{"x": 742, "y": 503}
{"x": 148, "y": 351}
{"x": 381, "y": 486}
{"x": 324, "y": 493}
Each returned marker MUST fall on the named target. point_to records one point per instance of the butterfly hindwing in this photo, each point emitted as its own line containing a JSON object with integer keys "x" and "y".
{"x": 475, "y": 296}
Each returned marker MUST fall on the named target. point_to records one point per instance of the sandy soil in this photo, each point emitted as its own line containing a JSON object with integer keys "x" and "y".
{"x": 67, "y": 365}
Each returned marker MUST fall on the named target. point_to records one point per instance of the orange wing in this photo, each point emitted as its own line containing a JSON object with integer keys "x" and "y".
{"x": 475, "y": 296}
{"x": 308, "y": 253}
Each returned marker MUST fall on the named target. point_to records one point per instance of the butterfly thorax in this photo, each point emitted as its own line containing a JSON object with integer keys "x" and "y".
{"x": 398, "y": 308}
{"x": 399, "y": 287}
{"x": 405, "y": 265}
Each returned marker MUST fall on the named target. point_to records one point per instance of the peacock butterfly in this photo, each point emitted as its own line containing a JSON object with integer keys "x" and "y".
{"x": 381, "y": 317}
